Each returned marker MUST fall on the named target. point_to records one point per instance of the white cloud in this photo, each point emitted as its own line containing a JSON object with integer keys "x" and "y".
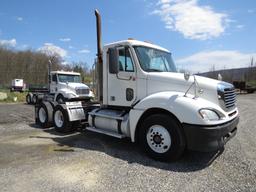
{"x": 220, "y": 59}
{"x": 65, "y": 63}
{"x": 84, "y": 51}
{"x": 8, "y": 43}
{"x": 51, "y": 49}
{"x": 19, "y": 18}
{"x": 190, "y": 19}
{"x": 65, "y": 39}
{"x": 240, "y": 26}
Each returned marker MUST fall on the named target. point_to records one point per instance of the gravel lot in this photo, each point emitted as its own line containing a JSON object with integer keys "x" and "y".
{"x": 33, "y": 159}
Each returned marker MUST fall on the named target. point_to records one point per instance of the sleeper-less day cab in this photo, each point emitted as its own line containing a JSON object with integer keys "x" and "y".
{"x": 63, "y": 86}
{"x": 140, "y": 95}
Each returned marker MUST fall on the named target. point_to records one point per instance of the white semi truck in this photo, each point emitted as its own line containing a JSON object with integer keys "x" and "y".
{"x": 140, "y": 95}
{"x": 63, "y": 86}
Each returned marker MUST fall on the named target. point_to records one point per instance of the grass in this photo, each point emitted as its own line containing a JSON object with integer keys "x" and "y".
{"x": 252, "y": 83}
{"x": 21, "y": 97}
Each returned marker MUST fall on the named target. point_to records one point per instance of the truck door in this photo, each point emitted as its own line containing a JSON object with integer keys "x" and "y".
{"x": 122, "y": 86}
{"x": 53, "y": 84}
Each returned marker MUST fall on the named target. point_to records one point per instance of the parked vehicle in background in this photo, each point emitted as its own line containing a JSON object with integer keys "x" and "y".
{"x": 63, "y": 86}
{"x": 18, "y": 85}
{"x": 242, "y": 86}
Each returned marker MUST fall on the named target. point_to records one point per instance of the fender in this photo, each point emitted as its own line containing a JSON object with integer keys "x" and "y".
{"x": 66, "y": 93}
{"x": 185, "y": 109}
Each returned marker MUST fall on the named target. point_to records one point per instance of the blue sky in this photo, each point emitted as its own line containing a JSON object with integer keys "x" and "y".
{"x": 199, "y": 33}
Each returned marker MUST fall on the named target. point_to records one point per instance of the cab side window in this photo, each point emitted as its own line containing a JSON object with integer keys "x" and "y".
{"x": 125, "y": 60}
{"x": 54, "y": 78}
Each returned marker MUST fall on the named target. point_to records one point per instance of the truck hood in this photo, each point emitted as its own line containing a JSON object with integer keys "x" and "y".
{"x": 169, "y": 81}
{"x": 77, "y": 85}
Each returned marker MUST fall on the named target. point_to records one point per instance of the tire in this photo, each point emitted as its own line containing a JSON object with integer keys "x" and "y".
{"x": 29, "y": 98}
{"x": 162, "y": 138}
{"x": 60, "y": 99}
{"x": 61, "y": 119}
{"x": 34, "y": 99}
{"x": 53, "y": 103}
{"x": 45, "y": 115}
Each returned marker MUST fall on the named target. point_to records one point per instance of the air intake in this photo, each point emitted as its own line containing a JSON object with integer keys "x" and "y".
{"x": 227, "y": 96}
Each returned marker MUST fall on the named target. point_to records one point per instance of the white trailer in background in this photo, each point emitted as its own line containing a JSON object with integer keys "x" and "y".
{"x": 18, "y": 85}
{"x": 140, "y": 95}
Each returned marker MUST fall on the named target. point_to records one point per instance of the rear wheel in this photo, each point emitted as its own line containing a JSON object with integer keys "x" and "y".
{"x": 34, "y": 99}
{"x": 161, "y": 137}
{"x": 28, "y": 98}
{"x": 44, "y": 114}
{"x": 61, "y": 119}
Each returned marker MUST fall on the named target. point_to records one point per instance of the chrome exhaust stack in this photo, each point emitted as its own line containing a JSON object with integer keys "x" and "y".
{"x": 49, "y": 73}
{"x": 99, "y": 64}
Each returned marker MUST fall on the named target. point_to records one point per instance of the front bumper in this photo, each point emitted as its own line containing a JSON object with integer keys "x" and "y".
{"x": 79, "y": 98}
{"x": 209, "y": 138}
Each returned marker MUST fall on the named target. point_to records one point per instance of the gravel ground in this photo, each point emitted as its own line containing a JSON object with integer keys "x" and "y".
{"x": 33, "y": 159}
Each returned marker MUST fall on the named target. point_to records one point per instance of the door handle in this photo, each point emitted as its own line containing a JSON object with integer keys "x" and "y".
{"x": 121, "y": 78}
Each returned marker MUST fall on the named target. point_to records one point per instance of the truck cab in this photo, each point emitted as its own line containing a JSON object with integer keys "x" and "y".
{"x": 200, "y": 113}
{"x": 68, "y": 86}
{"x": 142, "y": 70}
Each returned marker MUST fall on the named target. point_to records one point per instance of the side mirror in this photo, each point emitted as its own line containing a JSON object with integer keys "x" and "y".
{"x": 113, "y": 60}
{"x": 186, "y": 76}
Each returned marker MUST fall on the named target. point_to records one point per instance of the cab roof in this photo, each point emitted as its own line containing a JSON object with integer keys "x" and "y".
{"x": 133, "y": 42}
{"x": 65, "y": 72}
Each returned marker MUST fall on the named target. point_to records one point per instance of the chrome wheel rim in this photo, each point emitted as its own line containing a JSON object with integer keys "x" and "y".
{"x": 58, "y": 118}
{"x": 159, "y": 139}
{"x": 60, "y": 99}
{"x": 34, "y": 99}
{"x": 28, "y": 99}
{"x": 42, "y": 115}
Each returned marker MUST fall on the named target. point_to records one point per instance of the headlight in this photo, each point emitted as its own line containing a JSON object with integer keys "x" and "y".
{"x": 91, "y": 94}
{"x": 209, "y": 115}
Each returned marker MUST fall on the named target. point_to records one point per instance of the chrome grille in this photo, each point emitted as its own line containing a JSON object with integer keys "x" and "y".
{"x": 82, "y": 91}
{"x": 227, "y": 96}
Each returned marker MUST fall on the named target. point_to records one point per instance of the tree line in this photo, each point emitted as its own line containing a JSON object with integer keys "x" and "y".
{"x": 32, "y": 66}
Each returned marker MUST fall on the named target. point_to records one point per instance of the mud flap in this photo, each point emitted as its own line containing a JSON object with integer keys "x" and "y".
{"x": 75, "y": 111}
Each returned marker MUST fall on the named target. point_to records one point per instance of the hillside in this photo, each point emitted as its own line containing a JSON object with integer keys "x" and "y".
{"x": 32, "y": 66}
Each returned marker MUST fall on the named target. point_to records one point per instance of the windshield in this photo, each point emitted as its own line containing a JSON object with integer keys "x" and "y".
{"x": 154, "y": 60}
{"x": 69, "y": 78}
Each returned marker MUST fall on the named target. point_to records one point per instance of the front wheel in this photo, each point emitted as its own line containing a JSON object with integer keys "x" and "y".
{"x": 161, "y": 137}
{"x": 61, "y": 99}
